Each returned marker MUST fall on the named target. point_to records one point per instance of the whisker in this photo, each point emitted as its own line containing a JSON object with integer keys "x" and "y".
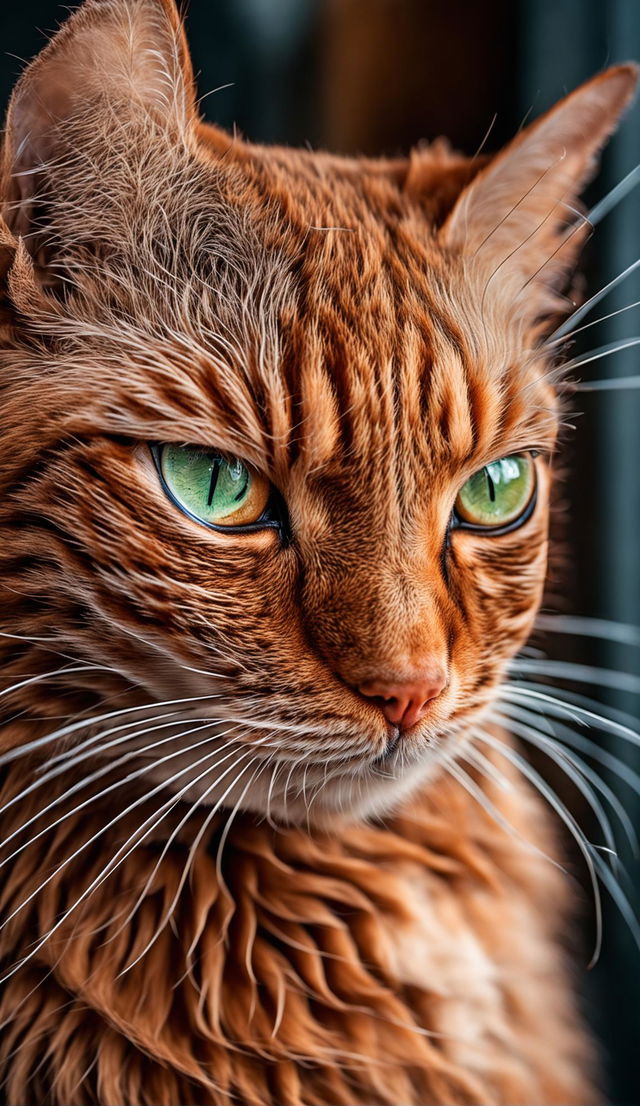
{"x": 560, "y": 732}
{"x": 621, "y": 632}
{"x": 615, "y": 764}
{"x": 613, "y": 384}
{"x": 617, "y": 193}
{"x": 620, "y": 899}
{"x": 114, "y": 863}
{"x": 192, "y": 853}
{"x": 119, "y": 783}
{"x": 154, "y": 645}
{"x": 471, "y": 787}
{"x": 37, "y": 641}
{"x": 276, "y": 768}
{"x": 83, "y": 754}
{"x": 486, "y": 136}
{"x": 569, "y": 706}
{"x": 568, "y": 326}
{"x": 65, "y": 671}
{"x": 205, "y": 824}
{"x": 595, "y": 322}
{"x": 580, "y": 673}
{"x": 581, "y": 775}
{"x": 73, "y": 727}
{"x": 227, "y": 826}
{"x": 121, "y": 814}
{"x": 488, "y": 769}
{"x": 547, "y": 792}
{"x": 596, "y": 355}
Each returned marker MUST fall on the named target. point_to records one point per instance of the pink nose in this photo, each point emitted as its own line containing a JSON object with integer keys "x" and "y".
{"x": 402, "y": 703}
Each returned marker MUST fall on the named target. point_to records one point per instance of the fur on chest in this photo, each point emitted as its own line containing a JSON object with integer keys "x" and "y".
{"x": 409, "y": 963}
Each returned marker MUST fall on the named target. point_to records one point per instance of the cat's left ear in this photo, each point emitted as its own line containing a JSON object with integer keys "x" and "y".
{"x": 518, "y": 218}
{"x": 111, "y": 62}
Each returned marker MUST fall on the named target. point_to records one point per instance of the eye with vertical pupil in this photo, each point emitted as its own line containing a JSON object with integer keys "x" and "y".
{"x": 216, "y": 490}
{"x": 499, "y": 494}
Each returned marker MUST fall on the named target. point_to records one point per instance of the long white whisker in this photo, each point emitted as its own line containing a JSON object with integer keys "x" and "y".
{"x": 60, "y": 769}
{"x": 196, "y": 842}
{"x": 152, "y": 821}
{"x": 621, "y": 632}
{"x": 225, "y": 833}
{"x": 567, "y": 327}
{"x": 276, "y": 768}
{"x": 595, "y": 322}
{"x": 509, "y": 712}
{"x": 73, "y": 727}
{"x": 64, "y": 671}
{"x": 580, "y": 673}
{"x": 613, "y": 384}
{"x": 529, "y": 772}
{"x": 617, "y": 193}
{"x": 488, "y": 769}
{"x": 567, "y": 707}
{"x": 483, "y": 800}
{"x": 581, "y": 775}
{"x": 206, "y": 822}
{"x": 99, "y": 833}
{"x": 619, "y": 767}
{"x": 154, "y": 645}
{"x": 619, "y": 898}
{"x": 595, "y": 355}
{"x": 119, "y": 783}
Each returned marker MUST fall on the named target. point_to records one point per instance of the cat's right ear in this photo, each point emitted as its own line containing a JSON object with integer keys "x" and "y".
{"x": 518, "y": 220}
{"x": 111, "y": 61}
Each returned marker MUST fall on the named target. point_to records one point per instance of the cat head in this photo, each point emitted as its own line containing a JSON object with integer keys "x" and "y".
{"x": 278, "y": 426}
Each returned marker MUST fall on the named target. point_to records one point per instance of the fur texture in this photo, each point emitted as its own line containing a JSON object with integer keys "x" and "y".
{"x": 221, "y": 881}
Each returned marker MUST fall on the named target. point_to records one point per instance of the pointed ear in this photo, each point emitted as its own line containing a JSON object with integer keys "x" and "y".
{"x": 113, "y": 59}
{"x": 518, "y": 216}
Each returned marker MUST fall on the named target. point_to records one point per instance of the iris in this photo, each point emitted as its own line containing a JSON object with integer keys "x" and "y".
{"x": 216, "y": 490}
{"x": 499, "y": 494}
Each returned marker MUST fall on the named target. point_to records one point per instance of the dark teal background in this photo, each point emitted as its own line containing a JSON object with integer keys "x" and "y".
{"x": 446, "y": 68}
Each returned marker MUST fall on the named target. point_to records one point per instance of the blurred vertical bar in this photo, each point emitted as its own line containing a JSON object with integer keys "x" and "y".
{"x": 561, "y": 43}
{"x": 396, "y": 72}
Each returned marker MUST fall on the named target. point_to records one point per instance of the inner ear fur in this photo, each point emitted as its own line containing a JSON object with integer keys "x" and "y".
{"x": 111, "y": 60}
{"x": 518, "y": 217}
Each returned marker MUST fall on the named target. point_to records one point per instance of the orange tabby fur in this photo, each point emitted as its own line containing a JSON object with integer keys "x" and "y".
{"x": 368, "y": 335}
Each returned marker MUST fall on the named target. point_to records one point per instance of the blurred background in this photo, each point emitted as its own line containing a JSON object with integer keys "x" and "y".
{"x": 377, "y": 76}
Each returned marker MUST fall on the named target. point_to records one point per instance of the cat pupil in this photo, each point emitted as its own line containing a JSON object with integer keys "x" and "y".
{"x": 215, "y": 473}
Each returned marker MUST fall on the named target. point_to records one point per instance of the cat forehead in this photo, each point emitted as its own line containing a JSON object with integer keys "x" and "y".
{"x": 283, "y": 303}
{"x": 383, "y": 334}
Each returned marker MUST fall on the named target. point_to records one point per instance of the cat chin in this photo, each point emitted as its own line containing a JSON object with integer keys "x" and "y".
{"x": 376, "y": 792}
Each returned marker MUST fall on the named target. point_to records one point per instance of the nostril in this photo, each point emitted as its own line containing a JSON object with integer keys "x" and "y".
{"x": 405, "y": 703}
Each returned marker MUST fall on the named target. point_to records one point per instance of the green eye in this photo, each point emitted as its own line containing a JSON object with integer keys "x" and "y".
{"x": 499, "y": 494}
{"x": 212, "y": 489}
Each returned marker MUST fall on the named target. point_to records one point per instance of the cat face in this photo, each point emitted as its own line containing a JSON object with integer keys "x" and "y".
{"x": 280, "y": 425}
